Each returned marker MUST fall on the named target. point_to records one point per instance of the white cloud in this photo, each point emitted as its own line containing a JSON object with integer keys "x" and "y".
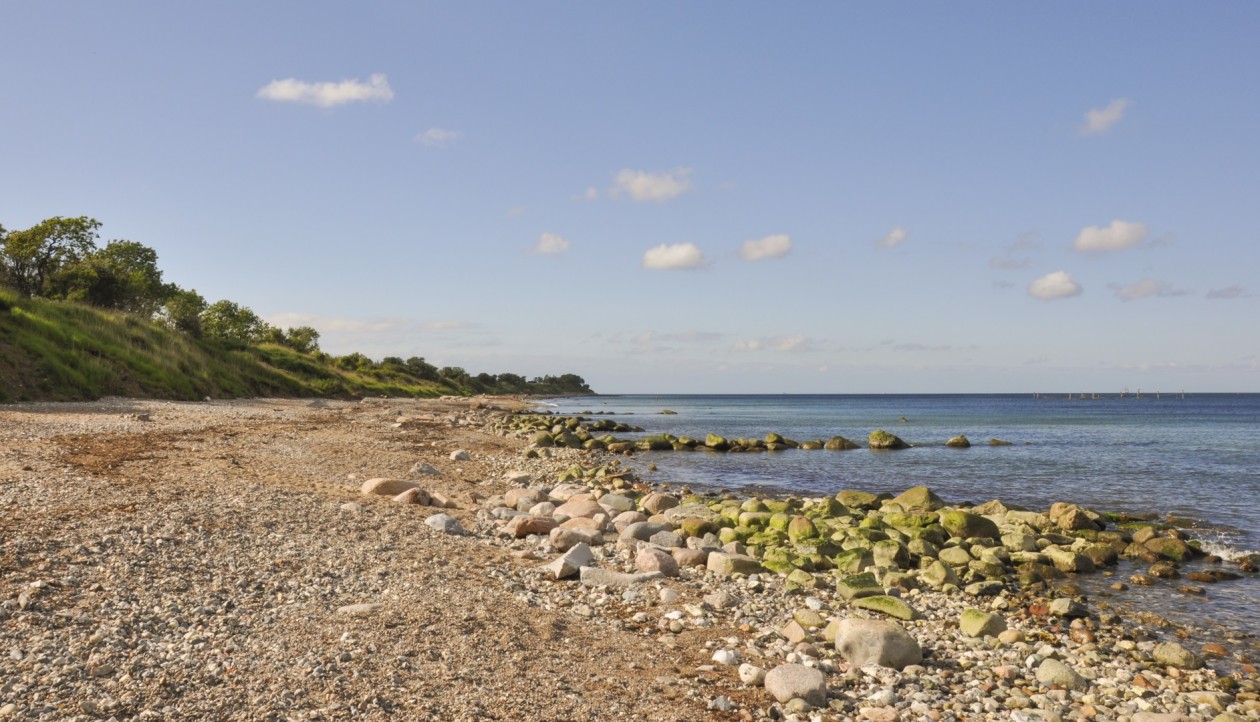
{"x": 894, "y": 237}
{"x": 439, "y": 137}
{"x": 787, "y": 344}
{"x": 673, "y": 257}
{"x": 590, "y": 194}
{"x": 776, "y": 246}
{"x": 645, "y": 186}
{"x": 1054, "y": 286}
{"x": 1228, "y": 294}
{"x": 551, "y": 244}
{"x": 1116, "y": 236}
{"x": 1145, "y": 288}
{"x": 1100, "y": 120}
{"x": 326, "y": 94}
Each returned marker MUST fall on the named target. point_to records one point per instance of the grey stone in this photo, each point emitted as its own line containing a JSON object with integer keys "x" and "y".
{"x": 1171, "y": 654}
{"x": 596, "y": 577}
{"x": 571, "y": 562}
{"x": 361, "y": 610}
{"x": 444, "y": 523}
{"x": 1053, "y": 673}
{"x": 788, "y": 681}
{"x": 460, "y": 455}
{"x": 876, "y": 641}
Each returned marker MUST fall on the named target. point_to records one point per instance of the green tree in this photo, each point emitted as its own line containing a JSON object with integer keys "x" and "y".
{"x": 123, "y": 275}
{"x": 182, "y": 310}
{"x": 30, "y": 258}
{"x": 230, "y": 321}
{"x": 303, "y": 339}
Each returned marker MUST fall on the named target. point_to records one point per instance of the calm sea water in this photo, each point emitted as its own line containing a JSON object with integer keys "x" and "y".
{"x": 1195, "y": 457}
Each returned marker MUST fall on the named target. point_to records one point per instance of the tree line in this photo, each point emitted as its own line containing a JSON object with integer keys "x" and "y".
{"x": 60, "y": 259}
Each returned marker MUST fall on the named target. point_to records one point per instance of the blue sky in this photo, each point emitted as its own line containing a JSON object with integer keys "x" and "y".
{"x": 678, "y": 197}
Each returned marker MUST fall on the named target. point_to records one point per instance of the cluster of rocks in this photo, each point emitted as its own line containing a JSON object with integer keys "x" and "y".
{"x": 578, "y": 432}
{"x": 902, "y": 588}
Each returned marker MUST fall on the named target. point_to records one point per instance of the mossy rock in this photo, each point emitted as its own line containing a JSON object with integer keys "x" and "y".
{"x": 801, "y": 528}
{"x": 692, "y": 526}
{"x": 938, "y": 574}
{"x": 882, "y": 440}
{"x": 768, "y": 537}
{"x": 855, "y": 586}
{"x": 780, "y": 520}
{"x": 977, "y": 623}
{"x": 860, "y": 499}
{"x": 890, "y": 553}
{"x": 827, "y": 508}
{"x": 853, "y": 561}
{"x": 592, "y": 444}
{"x": 918, "y": 499}
{"x": 903, "y": 520}
{"x": 754, "y": 505}
{"x": 754, "y": 518}
{"x": 966, "y": 525}
{"x": 891, "y": 606}
{"x": 811, "y": 445}
{"x": 543, "y": 438}
{"x": 717, "y": 443}
{"x": 999, "y": 442}
{"x": 839, "y": 443}
{"x": 959, "y": 442}
{"x": 620, "y": 447}
{"x": 1169, "y": 548}
{"x": 800, "y": 579}
{"x": 773, "y": 438}
{"x": 783, "y": 505}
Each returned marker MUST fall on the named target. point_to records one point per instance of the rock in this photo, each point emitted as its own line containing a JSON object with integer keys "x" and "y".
{"x": 1169, "y": 548}
{"x": 725, "y": 565}
{"x": 1066, "y": 560}
{"x": 361, "y": 610}
{"x": 717, "y": 443}
{"x": 978, "y": 623}
{"x": 444, "y": 523}
{"x": 526, "y": 524}
{"x": 579, "y": 507}
{"x": 752, "y": 675}
{"x": 721, "y": 600}
{"x": 414, "y": 496}
{"x": 1171, "y": 654}
{"x": 571, "y": 562}
{"x": 966, "y": 525}
{"x": 1074, "y": 518}
{"x": 626, "y": 518}
{"x": 959, "y": 442}
{"x": 424, "y": 467}
{"x": 386, "y": 487}
{"x": 727, "y": 657}
{"x": 1067, "y": 607}
{"x": 794, "y": 632}
{"x": 657, "y": 503}
{"x": 876, "y": 641}
{"x": 650, "y": 559}
{"x": 690, "y": 557}
{"x": 880, "y": 439}
{"x": 856, "y": 586}
{"x": 513, "y": 497}
{"x": 667, "y": 539}
{"x": 642, "y": 531}
{"x": 351, "y": 507}
{"x": 892, "y": 606}
{"x": 460, "y": 455}
{"x": 1053, "y": 673}
{"x": 617, "y": 502}
{"x": 596, "y": 577}
{"x": 858, "y": 499}
{"x": 919, "y": 498}
{"x": 564, "y": 538}
{"x": 518, "y": 478}
{"x": 563, "y": 492}
{"x": 839, "y": 443}
{"x": 938, "y": 574}
{"x": 788, "y": 681}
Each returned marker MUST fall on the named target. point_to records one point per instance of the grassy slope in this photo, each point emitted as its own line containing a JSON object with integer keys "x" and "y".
{"x": 57, "y": 351}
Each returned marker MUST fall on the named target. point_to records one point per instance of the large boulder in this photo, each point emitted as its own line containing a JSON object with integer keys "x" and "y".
{"x": 1169, "y": 548}
{"x": 966, "y": 525}
{"x": 724, "y": 564}
{"x": 876, "y": 641}
{"x": 918, "y": 498}
{"x": 880, "y": 439}
{"x": 386, "y": 487}
{"x": 788, "y": 681}
{"x": 859, "y": 499}
{"x": 959, "y": 442}
{"x": 657, "y": 503}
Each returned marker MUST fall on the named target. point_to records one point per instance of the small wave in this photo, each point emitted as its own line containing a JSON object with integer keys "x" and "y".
{"x": 1224, "y": 550}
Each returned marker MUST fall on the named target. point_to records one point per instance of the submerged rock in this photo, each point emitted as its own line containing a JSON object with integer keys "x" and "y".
{"x": 880, "y": 439}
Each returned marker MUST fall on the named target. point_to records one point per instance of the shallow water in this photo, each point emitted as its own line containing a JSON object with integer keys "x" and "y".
{"x": 1195, "y": 458}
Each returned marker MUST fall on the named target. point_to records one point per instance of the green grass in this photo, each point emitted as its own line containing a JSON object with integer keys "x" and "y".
{"x": 61, "y": 351}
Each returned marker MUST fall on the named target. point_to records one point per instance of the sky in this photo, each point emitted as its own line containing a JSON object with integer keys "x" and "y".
{"x": 697, "y": 197}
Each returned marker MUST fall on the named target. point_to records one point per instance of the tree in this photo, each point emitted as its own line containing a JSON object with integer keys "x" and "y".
{"x": 182, "y": 310}
{"x": 229, "y": 321}
{"x": 123, "y": 275}
{"x": 31, "y": 257}
{"x": 303, "y": 339}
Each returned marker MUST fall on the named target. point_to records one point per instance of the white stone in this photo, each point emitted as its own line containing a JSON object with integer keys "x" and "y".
{"x": 752, "y": 675}
{"x": 727, "y": 657}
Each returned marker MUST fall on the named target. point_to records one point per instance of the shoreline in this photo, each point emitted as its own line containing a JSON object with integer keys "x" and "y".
{"x": 646, "y": 650}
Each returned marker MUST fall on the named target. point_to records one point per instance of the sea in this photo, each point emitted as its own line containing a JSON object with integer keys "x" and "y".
{"x": 1189, "y": 458}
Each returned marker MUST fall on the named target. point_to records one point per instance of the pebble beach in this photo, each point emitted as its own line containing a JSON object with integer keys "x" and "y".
{"x": 424, "y": 560}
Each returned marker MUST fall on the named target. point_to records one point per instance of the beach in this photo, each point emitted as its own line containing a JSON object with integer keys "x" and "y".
{"x": 221, "y": 560}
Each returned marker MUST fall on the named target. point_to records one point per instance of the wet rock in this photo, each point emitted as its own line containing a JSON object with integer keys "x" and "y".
{"x": 1171, "y": 654}
{"x": 880, "y": 439}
